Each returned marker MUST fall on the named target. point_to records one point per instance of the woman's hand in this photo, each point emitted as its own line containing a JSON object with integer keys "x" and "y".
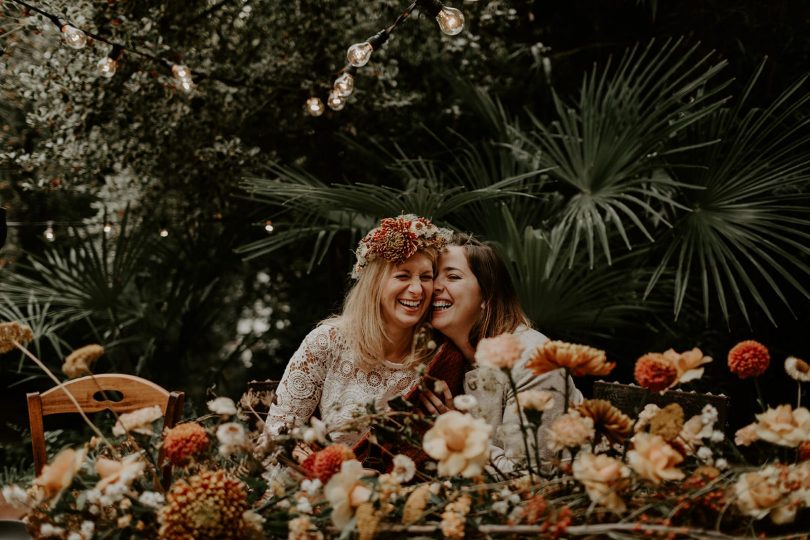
{"x": 435, "y": 405}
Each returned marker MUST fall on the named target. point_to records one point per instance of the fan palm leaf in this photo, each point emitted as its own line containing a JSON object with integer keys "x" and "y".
{"x": 746, "y": 236}
{"x": 605, "y": 149}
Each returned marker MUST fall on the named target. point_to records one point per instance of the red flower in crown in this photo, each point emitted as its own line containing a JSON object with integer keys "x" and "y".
{"x": 397, "y": 239}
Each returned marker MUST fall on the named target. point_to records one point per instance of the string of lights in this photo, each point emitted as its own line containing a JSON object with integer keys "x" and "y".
{"x": 76, "y": 38}
{"x": 450, "y": 20}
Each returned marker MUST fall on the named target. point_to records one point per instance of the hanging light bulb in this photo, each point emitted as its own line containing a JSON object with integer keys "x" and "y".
{"x": 183, "y": 76}
{"x": 49, "y": 234}
{"x": 268, "y": 226}
{"x": 314, "y": 106}
{"x": 344, "y": 85}
{"x": 108, "y": 65}
{"x": 73, "y": 37}
{"x": 451, "y": 20}
{"x": 164, "y": 232}
{"x": 336, "y": 102}
{"x": 359, "y": 54}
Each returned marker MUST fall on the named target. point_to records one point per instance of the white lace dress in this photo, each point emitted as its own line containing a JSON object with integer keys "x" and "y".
{"x": 325, "y": 378}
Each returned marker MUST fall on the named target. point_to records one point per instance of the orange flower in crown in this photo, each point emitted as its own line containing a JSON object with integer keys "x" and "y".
{"x": 397, "y": 239}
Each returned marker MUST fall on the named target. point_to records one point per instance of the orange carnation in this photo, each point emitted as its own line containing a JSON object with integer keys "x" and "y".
{"x": 748, "y": 359}
{"x": 325, "y": 463}
{"x": 183, "y": 442}
{"x": 655, "y": 372}
{"x": 578, "y": 359}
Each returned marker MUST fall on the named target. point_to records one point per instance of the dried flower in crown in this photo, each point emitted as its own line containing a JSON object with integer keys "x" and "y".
{"x": 80, "y": 362}
{"x": 397, "y": 239}
{"x": 748, "y": 359}
{"x": 12, "y": 333}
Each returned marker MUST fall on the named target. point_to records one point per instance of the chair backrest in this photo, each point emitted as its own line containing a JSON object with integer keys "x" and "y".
{"x": 92, "y": 394}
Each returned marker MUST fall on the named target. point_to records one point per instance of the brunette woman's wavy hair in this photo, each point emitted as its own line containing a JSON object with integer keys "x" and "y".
{"x": 502, "y": 312}
{"x": 361, "y": 320}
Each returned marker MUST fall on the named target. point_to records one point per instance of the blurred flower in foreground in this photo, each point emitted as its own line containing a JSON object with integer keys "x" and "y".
{"x": 578, "y": 359}
{"x": 460, "y": 443}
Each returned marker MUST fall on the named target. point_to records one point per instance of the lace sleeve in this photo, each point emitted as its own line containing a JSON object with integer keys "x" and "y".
{"x": 299, "y": 391}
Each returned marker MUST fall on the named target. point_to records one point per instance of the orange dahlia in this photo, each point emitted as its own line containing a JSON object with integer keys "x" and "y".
{"x": 748, "y": 359}
{"x": 208, "y": 505}
{"x": 578, "y": 359}
{"x": 655, "y": 372}
{"x": 183, "y": 442}
{"x": 325, "y": 463}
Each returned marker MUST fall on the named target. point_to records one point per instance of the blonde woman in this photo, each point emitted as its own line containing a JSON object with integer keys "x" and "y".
{"x": 368, "y": 354}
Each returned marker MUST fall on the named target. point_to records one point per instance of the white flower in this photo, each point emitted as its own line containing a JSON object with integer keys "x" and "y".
{"x": 15, "y": 496}
{"x": 465, "y": 402}
{"x": 139, "y": 421}
{"x": 717, "y": 436}
{"x": 152, "y": 499}
{"x": 721, "y": 464}
{"x": 404, "y": 468}
{"x": 46, "y": 529}
{"x": 311, "y": 487}
{"x": 708, "y": 415}
{"x": 88, "y": 528}
{"x": 74, "y": 536}
{"x": 303, "y": 506}
{"x": 501, "y": 351}
{"x": 705, "y": 454}
{"x": 797, "y": 369}
{"x": 500, "y": 507}
{"x": 316, "y": 432}
{"x": 222, "y": 405}
{"x": 231, "y": 437}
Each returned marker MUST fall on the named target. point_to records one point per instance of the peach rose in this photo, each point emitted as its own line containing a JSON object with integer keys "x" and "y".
{"x": 114, "y": 472}
{"x": 603, "y": 477}
{"x": 570, "y": 430}
{"x": 59, "y": 473}
{"x": 653, "y": 459}
{"x": 345, "y": 492}
{"x": 687, "y": 364}
{"x": 460, "y": 443}
{"x": 747, "y": 435}
{"x": 784, "y": 426}
{"x": 759, "y": 494}
{"x": 499, "y": 352}
{"x": 139, "y": 421}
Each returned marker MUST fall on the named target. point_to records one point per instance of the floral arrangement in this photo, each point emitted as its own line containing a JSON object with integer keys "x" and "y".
{"x": 655, "y": 473}
{"x": 397, "y": 239}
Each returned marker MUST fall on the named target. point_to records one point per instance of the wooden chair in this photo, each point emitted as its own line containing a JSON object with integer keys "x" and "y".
{"x": 92, "y": 393}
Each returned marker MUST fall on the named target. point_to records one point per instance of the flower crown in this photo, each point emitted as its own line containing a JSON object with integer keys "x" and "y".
{"x": 397, "y": 239}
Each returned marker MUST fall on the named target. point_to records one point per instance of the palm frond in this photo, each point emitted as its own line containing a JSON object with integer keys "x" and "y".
{"x": 606, "y": 146}
{"x": 746, "y": 237}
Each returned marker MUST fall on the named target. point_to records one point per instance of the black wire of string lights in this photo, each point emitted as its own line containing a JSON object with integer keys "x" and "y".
{"x": 450, "y": 20}
{"x": 76, "y": 38}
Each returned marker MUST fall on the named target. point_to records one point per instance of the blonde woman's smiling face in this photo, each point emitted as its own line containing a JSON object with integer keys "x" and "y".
{"x": 407, "y": 291}
{"x": 456, "y": 294}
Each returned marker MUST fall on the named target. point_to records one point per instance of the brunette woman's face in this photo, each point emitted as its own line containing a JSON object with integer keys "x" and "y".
{"x": 456, "y": 295}
{"x": 406, "y": 292}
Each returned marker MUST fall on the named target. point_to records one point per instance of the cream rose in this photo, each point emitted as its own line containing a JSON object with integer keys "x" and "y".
{"x": 759, "y": 494}
{"x": 687, "y": 364}
{"x": 784, "y": 426}
{"x": 345, "y": 492}
{"x": 570, "y": 431}
{"x": 653, "y": 459}
{"x": 139, "y": 421}
{"x": 603, "y": 477}
{"x": 459, "y": 442}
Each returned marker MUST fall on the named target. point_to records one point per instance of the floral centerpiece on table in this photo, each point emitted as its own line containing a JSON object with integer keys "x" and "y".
{"x": 655, "y": 473}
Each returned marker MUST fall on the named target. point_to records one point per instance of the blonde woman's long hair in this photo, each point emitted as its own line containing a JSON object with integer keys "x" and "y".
{"x": 361, "y": 321}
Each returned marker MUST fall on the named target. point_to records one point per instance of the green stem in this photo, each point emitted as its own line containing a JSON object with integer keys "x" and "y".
{"x": 567, "y": 391}
{"x": 760, "y": 400}
{"x": 522, "y": 424}
{"x": 70, "y": 396}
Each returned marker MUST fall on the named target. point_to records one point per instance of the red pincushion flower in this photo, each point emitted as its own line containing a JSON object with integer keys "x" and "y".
{"x": 183, "y": 442}
{"x": 748, "y": 359}
{"x": 655, "y": 372}
{"x": 325, "y": 463}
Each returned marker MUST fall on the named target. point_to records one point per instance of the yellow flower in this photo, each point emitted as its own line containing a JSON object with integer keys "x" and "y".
{"x": 460, "y": 443}
{"x": 652, "y": 458}
{"x": 415, "y": 505}
{"x": 59, "y": 473}
{"x": 603, "y": 477}
{"x": 784, "y": 426}
{"x": 11, "y": 332}
{"x": 578, "y": 359}
{"x": 501, "y": 351}
{"x": 139, "y": 421}
{"x": 345, "y": 492}
{"x": 80, "y": 362}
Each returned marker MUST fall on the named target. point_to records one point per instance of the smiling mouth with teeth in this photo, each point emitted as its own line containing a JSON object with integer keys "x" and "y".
{"x": 413, "y": 304}
{"x": 441, "y": 305}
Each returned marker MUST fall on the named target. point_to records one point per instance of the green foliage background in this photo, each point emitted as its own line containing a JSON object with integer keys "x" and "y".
{"x": 640, "y": 163}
